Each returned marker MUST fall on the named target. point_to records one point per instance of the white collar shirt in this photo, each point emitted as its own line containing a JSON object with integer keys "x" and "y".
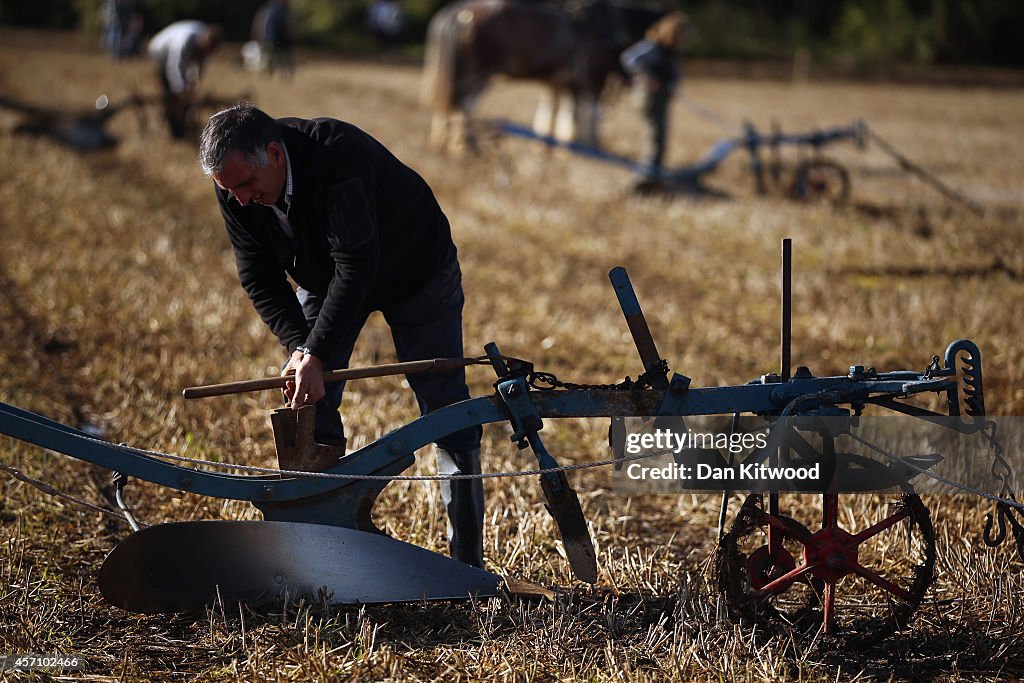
{"x": 286, "y": 200}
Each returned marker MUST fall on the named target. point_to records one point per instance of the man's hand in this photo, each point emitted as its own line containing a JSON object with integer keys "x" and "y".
{"x": 308, "y": 386}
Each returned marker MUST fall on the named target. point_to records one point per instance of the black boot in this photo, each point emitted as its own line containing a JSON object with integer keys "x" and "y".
{"x": 464, "y": 502}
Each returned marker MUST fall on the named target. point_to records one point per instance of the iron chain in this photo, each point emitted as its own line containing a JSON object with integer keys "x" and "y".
{"x": 546, "y": 381}
{"x": 1001, "y": 469}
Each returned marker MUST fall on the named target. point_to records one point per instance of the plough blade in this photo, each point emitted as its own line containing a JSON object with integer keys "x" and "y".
{"x": 564, "y": 506}
{"x": 186, "y": 565}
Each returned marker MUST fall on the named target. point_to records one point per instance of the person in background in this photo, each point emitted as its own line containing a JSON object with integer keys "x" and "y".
{"x": 111, "y": 25}
{"x": 179, "y": 53}
{"x": 252, "y": 50}
{"x": 323, "y": 203}
{"x": 131, "y": 30}
{"x": 122, "y": 27}
{"x": 276, "y": 38}
{"x": 653, "y": 64}
{"x": 386, "y": 20}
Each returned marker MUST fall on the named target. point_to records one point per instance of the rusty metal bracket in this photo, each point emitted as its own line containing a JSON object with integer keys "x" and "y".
{"x": 674, "y": 397}
{"x": 296, "y": 449}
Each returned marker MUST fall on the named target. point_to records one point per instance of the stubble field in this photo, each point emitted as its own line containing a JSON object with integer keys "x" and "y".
{"x": 118, "y": 289}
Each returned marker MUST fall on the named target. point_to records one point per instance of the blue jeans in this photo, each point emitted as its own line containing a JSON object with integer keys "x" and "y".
{"x": 425, "y": 325}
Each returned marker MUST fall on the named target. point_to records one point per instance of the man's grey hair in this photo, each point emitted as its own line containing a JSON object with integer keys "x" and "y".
{"x": 243, "y": 128}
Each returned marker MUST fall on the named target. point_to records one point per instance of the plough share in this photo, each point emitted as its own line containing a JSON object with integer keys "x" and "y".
{"x": 318, "y": 538}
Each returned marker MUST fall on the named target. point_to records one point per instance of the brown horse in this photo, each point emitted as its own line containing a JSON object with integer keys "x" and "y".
{"x": 572, "y": 51}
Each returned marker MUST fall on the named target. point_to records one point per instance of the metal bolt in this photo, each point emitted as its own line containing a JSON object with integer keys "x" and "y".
{"x": 513, "y": 391}
{"x": 679, "y": 386}
{"x": 396, "y": 447}
{"x": 278, "y": 579}
{"x": 268, "y": 492}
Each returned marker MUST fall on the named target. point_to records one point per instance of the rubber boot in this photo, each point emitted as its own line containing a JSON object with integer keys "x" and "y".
{"x": 464, "y": 503}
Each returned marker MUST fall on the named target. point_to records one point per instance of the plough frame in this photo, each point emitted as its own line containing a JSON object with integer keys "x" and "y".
{"x": 343, "y": 496}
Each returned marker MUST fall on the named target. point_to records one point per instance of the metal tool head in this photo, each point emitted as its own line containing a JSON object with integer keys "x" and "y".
{"x": 185, "y": 566}
{"x": 296, "y": 447}
{"x": 564, "y": 506}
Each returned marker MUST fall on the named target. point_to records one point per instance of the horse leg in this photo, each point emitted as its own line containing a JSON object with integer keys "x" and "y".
{"x": 544, "y": 118}
{"x": 464, "y": 136}
{"x": 438, "y": 131}
{"x": 454, "y": 133}
{"x": 588, "y": 115}
{"x": 565, "y": 126}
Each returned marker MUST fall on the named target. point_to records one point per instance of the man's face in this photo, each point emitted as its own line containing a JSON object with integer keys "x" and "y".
{"x": 254, "y": 184}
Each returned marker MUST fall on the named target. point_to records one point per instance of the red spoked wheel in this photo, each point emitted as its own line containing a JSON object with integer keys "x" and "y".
{"x": 857, "y": 588}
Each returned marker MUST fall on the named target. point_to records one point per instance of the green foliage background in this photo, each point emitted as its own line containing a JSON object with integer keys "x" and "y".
{"x": 845, "y": 31}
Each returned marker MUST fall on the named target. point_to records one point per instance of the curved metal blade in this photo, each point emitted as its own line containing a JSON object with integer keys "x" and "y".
{"x": 564, "y": 506}
{"x": 185, "y": 565}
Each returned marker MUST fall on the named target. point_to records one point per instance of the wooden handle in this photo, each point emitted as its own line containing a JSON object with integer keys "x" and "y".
{"x": 407, "y": 368}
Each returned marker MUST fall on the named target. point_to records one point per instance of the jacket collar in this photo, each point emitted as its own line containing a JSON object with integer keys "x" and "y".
{"x": 300, "y": 154}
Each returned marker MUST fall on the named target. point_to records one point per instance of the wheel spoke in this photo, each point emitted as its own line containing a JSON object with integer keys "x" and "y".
{"x": 829, "y": 605}
{"x": 786, "y": 580}
{"x": 883, "y": 583}
{"x": 830, "y": 510}
{"x": 882, "y": 526}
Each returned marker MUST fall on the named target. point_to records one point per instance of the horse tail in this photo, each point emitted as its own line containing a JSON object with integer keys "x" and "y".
{"x": 439, "y": 62}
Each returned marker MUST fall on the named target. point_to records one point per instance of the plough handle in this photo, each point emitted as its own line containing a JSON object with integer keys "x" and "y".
{"x": 410, "y": 367}
{"x": 637, "y": 324}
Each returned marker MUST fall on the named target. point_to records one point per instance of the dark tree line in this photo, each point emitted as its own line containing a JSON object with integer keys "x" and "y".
{"x": 860, "y": 31}
{"x": 907, "y": 31}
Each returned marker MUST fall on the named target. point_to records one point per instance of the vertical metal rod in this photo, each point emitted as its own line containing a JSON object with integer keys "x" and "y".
{"x": 499, "y": 365}
{"x": 778, "y": 456}
{"x": 787, "y": 305}
{"x": 723, "y": 511}
{"x": 774, "y": 537}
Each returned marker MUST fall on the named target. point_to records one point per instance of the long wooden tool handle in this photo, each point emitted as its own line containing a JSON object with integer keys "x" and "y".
{"x": 332, "y": 376}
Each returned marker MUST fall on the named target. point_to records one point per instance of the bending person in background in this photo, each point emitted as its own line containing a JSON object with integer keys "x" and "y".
{"x": 179, "y": 53}
{"x": 653, "y": 64}
{"x": 358, "y": 231}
